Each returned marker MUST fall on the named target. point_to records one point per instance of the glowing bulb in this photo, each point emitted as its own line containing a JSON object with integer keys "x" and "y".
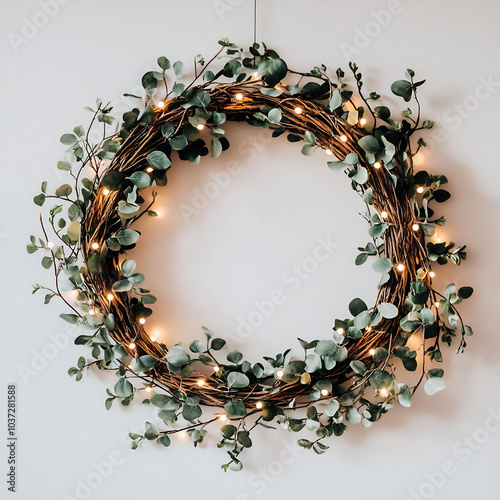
{"x": 298, "y": 110}
{"x": 182, "y": 434}
{"x": 415, "y": 227}
{"x": 131, "y": 345}
{"x": 436, "y": 304}
{"x": 329, "y": 152}
{"x": 216, "y": 369}
{"x": 400, "y": 267}
{"x": 110, "y": 296}
{"x": 149, "y": 170}
{"x": 420, "y": 190}
{"x": 340, "y": 330}
{"x": 324, "y": 392}
{"x": 142, "y": 321}
{"x": 368, "y": 328}
{"x": 200, "y": 126}
{"x": 377, "y": 164}
{"x": 239, "y": 97}
{"x": 105, "y": 192}
{"x": 148, "y": 389}
{"x": 438, "y": 240}
{"x": 95, "y": 246}
{"x": 222, "y": 418}
{"x": 161, "y": 104}
{"x": 362, "y": 121}
{"x": 372, "y": 352}
{"x": 279, "y": 373}
{"x": 91, "y": 312}
{"x": 383, "y": 392}
{"x": 153, "y": 338}
{"x": 255, "y": 75}
{"x": 50, "y": 244}
{"x": 259, "y": 405}
{"x": 432, "y": 274}
{"x": 384, "y": 214}
{"x": 343, "y": 138}
{"x": 201, "y": 383}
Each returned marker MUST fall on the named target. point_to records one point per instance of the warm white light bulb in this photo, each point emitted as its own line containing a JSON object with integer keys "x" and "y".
{"x": 50, "y": 244}
{"x": 279, "y": 373}
{"x": 149, "y": 170}
{"x": 148, "y": 389}
{"x": 298, "y": 110}
{"x": 343, "y": 138}
{"x": 110, "y": 296}
{"x": 131, "y": 345}
{"x": 105, "y": 192}
{"x": 200, "y": 126}
{"x": 372, "y": 352}
{"x": 153, "y": 338}
{"x": 383, "y": 392}
{"x": 436, "y": 304}
{"x": 340, "y": 330}
{"x": 377, "y": 164}
{"x": 384, "y": 214}
{"x": 222, "y": 418}
{"x": 239, "y": 97}
{"x": 91, "y": 312}
{"x": 329, "y": 152}
{"x": 400, "y": 267}
{"x": 142, "y": 321}
{"x": 259, "y": 405}
{"x": 201, "y": 383}
{"x": 368, "y": 328}
{"x": 432, "y": 274}
{"x": 255, "y": 75}
{"x": 95, "y": 246}
{"x": 161, "y": 104}
{"x": 415, "y": 227}
{"x": 362, "y": 121}
{"x": 216, "y": 369}
{"x": 420, "y": 190}
{"x": 324, "y": 392}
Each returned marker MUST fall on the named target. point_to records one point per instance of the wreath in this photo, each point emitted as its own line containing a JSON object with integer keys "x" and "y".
{"x": 348, "y": 377}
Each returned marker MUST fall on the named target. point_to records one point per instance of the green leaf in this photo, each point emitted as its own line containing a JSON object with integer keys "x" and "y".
{"x": 144, "y": 363}
{"x": 427, "y": 316}
{"x": 274, "y": 115}
{"x": 358, "y": 366}
{"x": 380, "y": 379}
{"x": 361, "y": 176}
{"x": 39, "y": 199}
{"x": 159, "y": 160}
{"x": 128, "y": 267}
{"x": 74, "y": 230}
{"x": 332, "y": 408}
{"x": 177, "y": 356}
{"x": 191, "y": 412}
{"x": 68, "y": 139}
{"x": 200, "y": 99}
{"x": 465, "y": 292}
{"x": 370, "y": 144}
{"x": 387, "y": 310}
{"x": 64, "y": 165}
{"x": 382, "y": 265}
{"x": 433, "y": 385}
{"x": 243, "y": 437}
{"x": 326, "y": 348}
{"x": 237, "y": 380}
{"x": 64, "y": 190}
{"x": 47, "y": 262}
{"x": 123, "y": 388}
{"x": 140, "y": 179}
{"x": 113, "y": 180}
{"x": 197, "y": 346}
{"x": 235, "y": 408}
{"x": 335, "y": 101}
{"x": 127, "y": 237}
{"x": 228, "y": 431}
{"x": 404, "y": 396}
{"x": 163, "y": 62}
{"x": 179, "y": 142}
{"x": 70, "y": 318}
{"x": 274, "y": 71}
{"x": 122, "y": 286}
{"x": 357, "y": 306}
{"x": 234, "y": 357}
{"x": 217, "y": 344}
{"x": 215, "y": 147}
{"x": 164, "y": 440}
{"x": 402, "y": 88}
{"x": 179, "y": 69}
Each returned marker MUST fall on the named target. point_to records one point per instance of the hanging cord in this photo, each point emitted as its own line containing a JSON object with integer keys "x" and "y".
{"x": 254, "y": 21}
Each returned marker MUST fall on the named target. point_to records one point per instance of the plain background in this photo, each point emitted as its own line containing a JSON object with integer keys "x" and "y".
{"x": 212, "y": 268}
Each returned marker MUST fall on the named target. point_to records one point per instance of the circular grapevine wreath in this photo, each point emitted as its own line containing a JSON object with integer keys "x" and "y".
{"x": 348, "y": 377}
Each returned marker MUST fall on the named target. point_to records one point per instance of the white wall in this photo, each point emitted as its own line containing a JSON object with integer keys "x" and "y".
{"x": 235, "y": 251}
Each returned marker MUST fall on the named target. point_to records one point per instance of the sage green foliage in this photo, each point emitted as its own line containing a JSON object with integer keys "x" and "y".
{"x": 373, "y": 386}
